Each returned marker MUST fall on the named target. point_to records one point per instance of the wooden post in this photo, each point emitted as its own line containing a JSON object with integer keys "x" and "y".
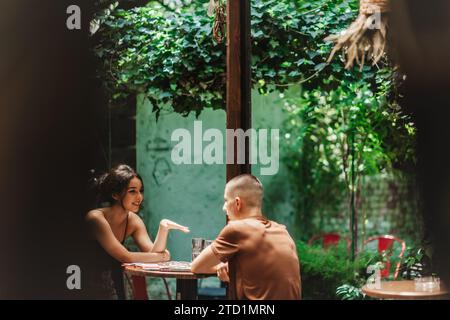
{"x": 238, "y": 80}
{"x": 238, "y": 77}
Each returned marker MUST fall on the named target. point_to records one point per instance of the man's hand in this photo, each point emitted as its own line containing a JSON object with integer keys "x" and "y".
{"x": 222, "y": 272}
{"x": 170, "y": 225}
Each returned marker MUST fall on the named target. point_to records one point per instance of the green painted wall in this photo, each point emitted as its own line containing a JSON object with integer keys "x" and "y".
{"x": 192, "y": 195}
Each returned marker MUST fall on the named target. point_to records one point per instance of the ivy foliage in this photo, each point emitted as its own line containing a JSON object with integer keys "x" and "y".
{"x": 171, "y": 57}
{"x": 339, "y": 135}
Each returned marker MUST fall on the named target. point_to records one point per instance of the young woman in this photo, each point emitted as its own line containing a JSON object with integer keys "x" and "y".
{"x": 123, "y": 189}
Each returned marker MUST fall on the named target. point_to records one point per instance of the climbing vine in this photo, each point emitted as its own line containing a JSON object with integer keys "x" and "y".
{"x": 172, "y": 58}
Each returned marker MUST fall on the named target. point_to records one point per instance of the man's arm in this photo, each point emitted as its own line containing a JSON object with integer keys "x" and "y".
{"x": 206, "y": 262}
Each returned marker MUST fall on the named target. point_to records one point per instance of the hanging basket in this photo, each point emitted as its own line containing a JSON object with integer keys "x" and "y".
{"x": 217, "y": 9}
{"x": 366, "y": 36}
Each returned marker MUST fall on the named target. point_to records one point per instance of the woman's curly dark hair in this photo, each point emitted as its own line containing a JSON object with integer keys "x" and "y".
{"x": 114, "y": 182}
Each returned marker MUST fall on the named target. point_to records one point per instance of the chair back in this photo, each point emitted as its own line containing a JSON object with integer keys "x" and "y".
{"x": 386, "y": 242}
{"x": 328, "y": 239}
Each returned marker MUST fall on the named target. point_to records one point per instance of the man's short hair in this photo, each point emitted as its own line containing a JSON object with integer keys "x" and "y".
{"x": 249, "y": 188}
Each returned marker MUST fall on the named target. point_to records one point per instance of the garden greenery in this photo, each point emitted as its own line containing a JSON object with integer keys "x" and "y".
{"x": 171, "y": 57}
{"x": 345, "y": 125}
{"x": 337, "y": 137}
{"x": 323, "y": 271}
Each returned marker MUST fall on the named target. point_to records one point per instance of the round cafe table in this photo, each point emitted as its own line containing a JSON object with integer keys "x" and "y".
{"x": 186, "y": 281}
{"x": 403, "y": 290}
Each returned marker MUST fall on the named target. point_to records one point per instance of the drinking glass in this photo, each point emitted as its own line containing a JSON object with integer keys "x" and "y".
{"x": 197, "y": 247}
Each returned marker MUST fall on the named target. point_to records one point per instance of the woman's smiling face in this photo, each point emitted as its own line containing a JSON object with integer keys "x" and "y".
{"x": 134, "y": 195}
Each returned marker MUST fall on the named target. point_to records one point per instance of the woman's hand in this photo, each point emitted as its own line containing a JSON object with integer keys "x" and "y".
{"x": 170, "y": 225}
{"x": 161, "y": 238}
{"x": 222, "y": 272}
{"x": 165, "y": 256}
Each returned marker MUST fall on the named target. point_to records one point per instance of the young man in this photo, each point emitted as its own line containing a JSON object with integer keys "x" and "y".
{"x": 256, "y": 256}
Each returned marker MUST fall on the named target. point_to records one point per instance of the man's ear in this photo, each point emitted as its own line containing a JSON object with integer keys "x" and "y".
{"x": 238, "y": 202}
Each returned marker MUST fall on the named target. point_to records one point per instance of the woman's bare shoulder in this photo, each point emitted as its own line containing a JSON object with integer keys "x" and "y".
{"x": 95, "y": 215}
{"x": 135, "y": 219}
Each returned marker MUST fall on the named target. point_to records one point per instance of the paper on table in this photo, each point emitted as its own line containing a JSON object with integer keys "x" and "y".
{"x": 143, "y": 265}
{"x": 178, "y": 266}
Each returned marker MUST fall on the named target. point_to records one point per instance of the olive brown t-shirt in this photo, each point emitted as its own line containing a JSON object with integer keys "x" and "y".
{"x": 262, "y": 260}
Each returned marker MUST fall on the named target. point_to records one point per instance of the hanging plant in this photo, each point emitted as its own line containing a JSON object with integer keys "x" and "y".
{"x": 217, "y": 9}
{"x": 366, "y": 36}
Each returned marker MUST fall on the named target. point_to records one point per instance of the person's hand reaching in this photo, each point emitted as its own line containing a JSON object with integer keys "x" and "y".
{"x": 170, "y": 225}
{"x": 222, "y": 272}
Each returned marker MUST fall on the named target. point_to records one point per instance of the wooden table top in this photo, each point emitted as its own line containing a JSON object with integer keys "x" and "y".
{"x": 403, "y": 289}
{"x": 136, "y": 271}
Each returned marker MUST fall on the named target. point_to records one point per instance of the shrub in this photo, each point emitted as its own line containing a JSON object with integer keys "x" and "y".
{"x": 324, "y": 270}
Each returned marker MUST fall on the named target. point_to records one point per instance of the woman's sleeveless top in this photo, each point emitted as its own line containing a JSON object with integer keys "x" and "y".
{"x": 105, "y": 277}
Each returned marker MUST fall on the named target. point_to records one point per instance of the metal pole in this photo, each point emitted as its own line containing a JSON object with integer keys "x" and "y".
{"x": 353, "y": 222}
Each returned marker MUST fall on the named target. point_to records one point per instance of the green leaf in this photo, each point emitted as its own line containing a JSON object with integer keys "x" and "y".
{"x": 320, "y": 66}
